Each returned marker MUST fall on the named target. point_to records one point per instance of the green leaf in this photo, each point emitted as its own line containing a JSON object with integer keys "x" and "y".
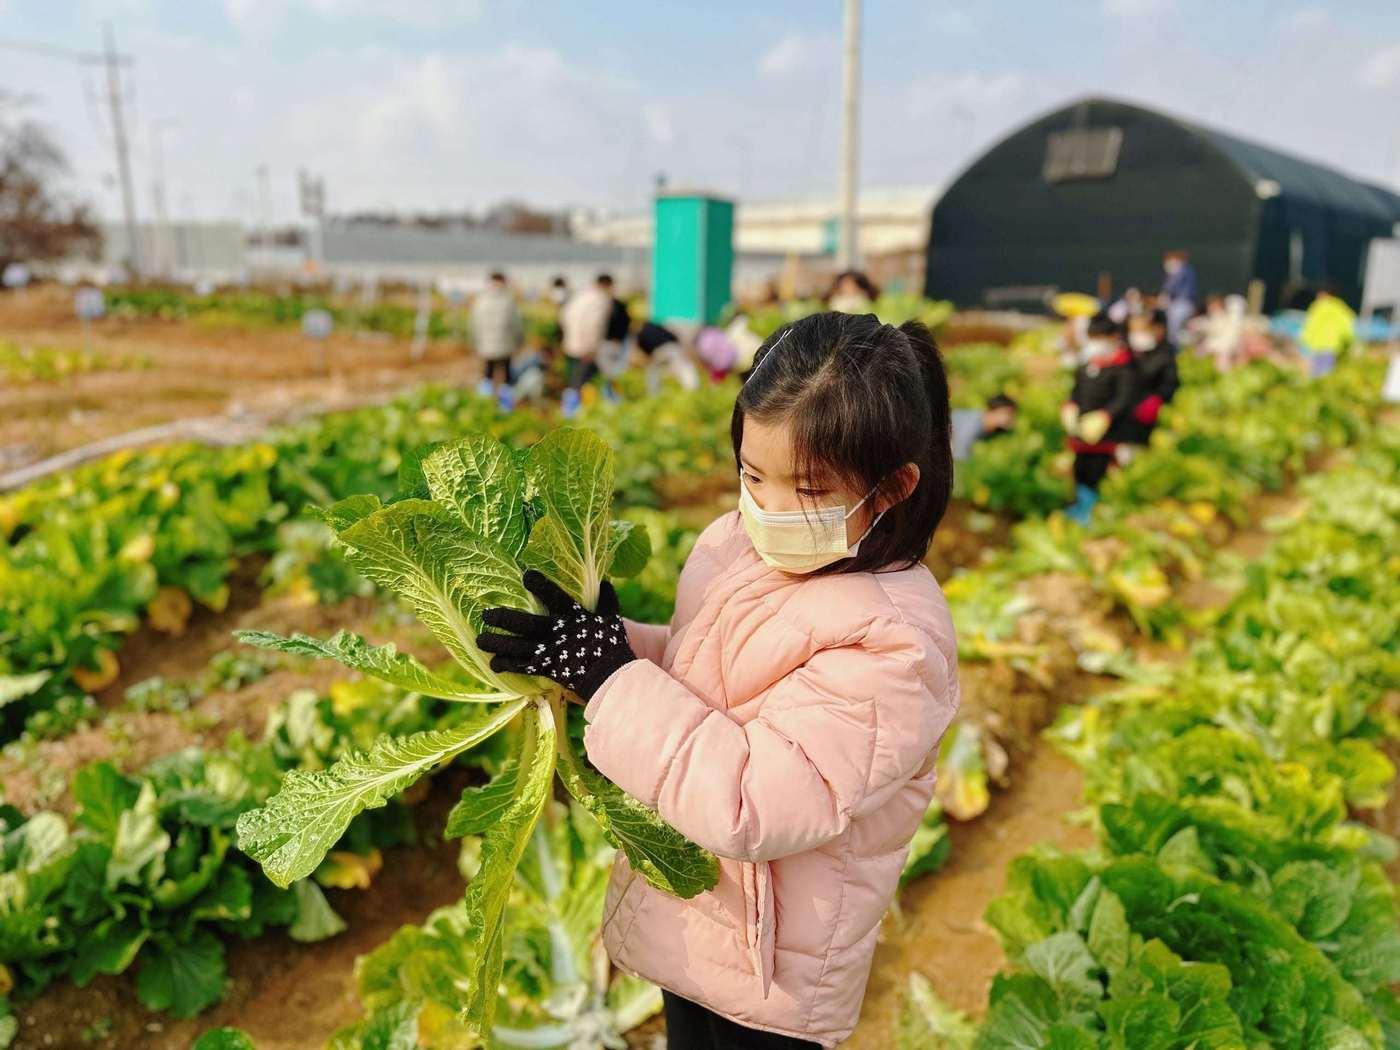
{"x": 929, "y": 848}
{"x": 316, "y": 920}
{"x": 140, "y": 843}
{"x": 476, "y": 476}
{"x": 1021, "y": 1015}
{"x": 1109, "y": 937}
{"x": 393, "y": 1028}
{"x": 18, "y": 686}
{"x": 110, "y": 947}
{"x": 480, "y": 807}
{"x": 1064, "y": 962}
{"x": 102, "y": 794}
{"x": 658, "y": 852}
{"x": 448, "y": 577}
{"x": 629, "y": 549}
{"x": 501, "y": 849}
{"x": 297, "y": 827}
{"x": 344, "y": 513}
{"x": 926, "y": 1021}
{"x": 1159, "y": 1002}
{"x": 224, "y": 1039}
{"x": 572, "y": 474}
{"x": 384, "y": 662}
{"x": 182, "y": 977}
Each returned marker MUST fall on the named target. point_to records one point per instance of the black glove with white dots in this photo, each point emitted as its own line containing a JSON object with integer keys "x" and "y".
{"x": 568, "y": 644}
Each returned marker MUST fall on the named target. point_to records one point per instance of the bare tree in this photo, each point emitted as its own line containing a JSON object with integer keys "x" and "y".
{"x": 39, "y": 222}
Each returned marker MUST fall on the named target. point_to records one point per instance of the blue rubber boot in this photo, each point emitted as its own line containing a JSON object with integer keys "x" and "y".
{"x": 486, "y": 388}
{"x": 505, "y": 397}
{"x": 1083, "y": 506}
{"x": 568, "y": 404}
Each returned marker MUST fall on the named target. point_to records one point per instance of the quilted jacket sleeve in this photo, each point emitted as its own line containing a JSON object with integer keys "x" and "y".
{"x": 834, "y": 739}
{"x": 648, "y": 640}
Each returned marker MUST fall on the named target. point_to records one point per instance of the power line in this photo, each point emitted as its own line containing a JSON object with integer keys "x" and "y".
{"x": 113, "y": 62}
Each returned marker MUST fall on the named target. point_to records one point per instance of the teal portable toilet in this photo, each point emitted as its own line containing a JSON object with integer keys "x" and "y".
{"x": 692, "y": 261}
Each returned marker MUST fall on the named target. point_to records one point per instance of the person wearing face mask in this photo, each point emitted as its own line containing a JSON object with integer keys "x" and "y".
{"x": 1155, "y": 358}
{"x": 1098, "y": 416}
{"x": 788, "y": 717}
{"x": 1178, "y": 292}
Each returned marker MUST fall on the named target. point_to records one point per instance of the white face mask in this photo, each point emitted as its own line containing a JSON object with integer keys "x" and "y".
{"x": 1141, "y": 341}
{"x": 800, "y": 541}
{"x": 1094, "y": 348}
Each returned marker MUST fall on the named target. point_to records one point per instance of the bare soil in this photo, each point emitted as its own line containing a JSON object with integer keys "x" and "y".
{"x": 194, "y": 370}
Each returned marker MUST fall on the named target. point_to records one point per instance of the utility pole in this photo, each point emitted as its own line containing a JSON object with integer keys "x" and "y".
{"x": 264, "y": 213}
{"x": 849, "y": 257}
{"x": 114, "y": 97}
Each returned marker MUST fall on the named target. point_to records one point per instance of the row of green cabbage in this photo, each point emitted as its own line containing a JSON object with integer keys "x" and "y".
{"x": 1232, "y": 900}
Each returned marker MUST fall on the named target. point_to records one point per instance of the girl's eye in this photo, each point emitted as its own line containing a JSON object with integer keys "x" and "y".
{"x": 812, "y": 492}
{"x": 751, "y": 479}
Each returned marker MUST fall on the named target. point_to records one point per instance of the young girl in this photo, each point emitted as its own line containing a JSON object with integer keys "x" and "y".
{"x": 788, "y": 718}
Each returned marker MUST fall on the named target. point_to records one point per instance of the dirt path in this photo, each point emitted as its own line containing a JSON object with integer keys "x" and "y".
{"x": 941, "y": 933}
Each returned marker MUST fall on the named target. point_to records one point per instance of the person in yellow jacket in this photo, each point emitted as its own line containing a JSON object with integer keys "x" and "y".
{"x": 1328, "y": 330}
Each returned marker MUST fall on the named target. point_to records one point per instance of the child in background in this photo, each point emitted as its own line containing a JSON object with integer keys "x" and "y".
{"x": 1155, "y": 357}
{"x": 1098, "y": 416}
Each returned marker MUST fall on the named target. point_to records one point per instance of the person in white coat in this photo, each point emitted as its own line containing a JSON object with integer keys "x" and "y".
{"x": 585, "y": 323}
{"x": 497, "y": 331}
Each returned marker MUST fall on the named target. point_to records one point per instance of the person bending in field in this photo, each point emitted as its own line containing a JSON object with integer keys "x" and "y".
{"x": 1098, "y": 416}
{"x": 788, "y": 718}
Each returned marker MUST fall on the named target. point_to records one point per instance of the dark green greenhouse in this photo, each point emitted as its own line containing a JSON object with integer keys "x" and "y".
{"x": 1100, "y": 189}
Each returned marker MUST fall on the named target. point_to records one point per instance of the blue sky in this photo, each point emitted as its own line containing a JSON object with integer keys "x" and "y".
{"x": 425, "y": 104}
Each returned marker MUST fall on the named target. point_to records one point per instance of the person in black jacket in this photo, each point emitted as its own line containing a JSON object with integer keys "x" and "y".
{"x": 615, "y": 351}
{"x": 1098, "y": 417}
{"x": 1155, "y": 356}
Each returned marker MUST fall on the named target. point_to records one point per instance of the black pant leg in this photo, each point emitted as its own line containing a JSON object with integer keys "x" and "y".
{"x": 689, "y": 1026}
{"x": 687, "y": 1023}
{"x": 1090, "y": 468}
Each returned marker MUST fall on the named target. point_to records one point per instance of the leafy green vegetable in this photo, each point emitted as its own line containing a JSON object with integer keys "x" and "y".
{"x": 292, "y": 833}
{"x": 449, "y": 558}
{"x": 925, "y": 1021}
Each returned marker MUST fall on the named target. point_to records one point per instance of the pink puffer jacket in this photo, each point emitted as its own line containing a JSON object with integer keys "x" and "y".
{"x": 790, "y": 725}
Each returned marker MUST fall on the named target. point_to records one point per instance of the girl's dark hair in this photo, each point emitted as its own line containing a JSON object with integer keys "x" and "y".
{"x": 861, "y": 400}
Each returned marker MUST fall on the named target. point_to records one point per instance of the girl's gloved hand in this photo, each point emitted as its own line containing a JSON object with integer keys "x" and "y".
{"x": 570, "y": 645}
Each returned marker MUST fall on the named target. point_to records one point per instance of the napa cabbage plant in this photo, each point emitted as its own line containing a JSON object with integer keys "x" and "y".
{"x": 471, "y": 517}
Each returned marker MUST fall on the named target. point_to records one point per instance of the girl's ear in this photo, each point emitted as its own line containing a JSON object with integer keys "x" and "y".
{"x": 906, "y": 479}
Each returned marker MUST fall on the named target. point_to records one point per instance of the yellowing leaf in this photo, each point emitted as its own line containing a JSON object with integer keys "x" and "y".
{"x": 138, "y": 548}
{"x": 92, "y": 680}
{"x": 344, "y": 870}
{"x": 169, "y": 611}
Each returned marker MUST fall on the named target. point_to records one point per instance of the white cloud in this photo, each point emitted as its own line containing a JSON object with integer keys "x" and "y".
{"x": 1381, "y": 69}
{"x": 1134, "y": 8}
{"x": 950, "y": 20}
{"x": 254, "y": 16}
{"x": 1305, "y": 20}
{"x": 963, "y": 92}
{"x": 798, "y": 52}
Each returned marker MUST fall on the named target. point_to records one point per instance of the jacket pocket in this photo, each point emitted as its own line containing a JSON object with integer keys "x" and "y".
{"x": 760, "y": 925}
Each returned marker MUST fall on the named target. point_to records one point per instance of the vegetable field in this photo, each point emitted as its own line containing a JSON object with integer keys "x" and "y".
{"x": 258, "y": 776}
